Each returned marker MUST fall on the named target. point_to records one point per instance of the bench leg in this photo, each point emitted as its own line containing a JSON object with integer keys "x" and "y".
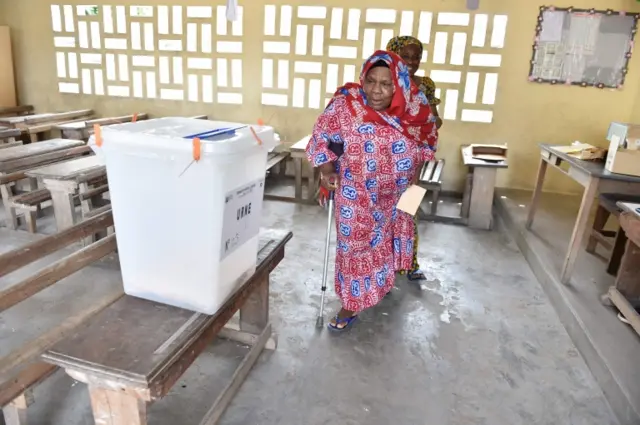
{"x": 63, "y": 208}
{"x": 117, "y": 408}
{"x": 15, "y": 413}
{"x": 602, "y": 215}
{"x": 31, "y": 221}
{"x": 297, "y": 166}
{"x": 254, "y": 314}
{"x": 617, "y": 252}
{"x": 9, "y": 212}
{"x": 435, "y": 199}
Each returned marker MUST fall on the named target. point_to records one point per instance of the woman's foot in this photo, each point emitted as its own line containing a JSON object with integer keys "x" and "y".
{"x": 342, "y": 320}
{"x": 416, "y": 275}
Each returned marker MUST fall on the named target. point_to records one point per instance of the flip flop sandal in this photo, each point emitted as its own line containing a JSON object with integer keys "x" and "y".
{"x": 347, "y": 321}
{"x": 416, "y": 275}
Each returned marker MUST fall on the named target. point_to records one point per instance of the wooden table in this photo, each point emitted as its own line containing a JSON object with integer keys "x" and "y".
{"x": 14, "y": 161}
{"x": 135, "y": 350}
{"x": 477, "y": 204}
{"x": 625, "y": 295}
{"x": 66, "y": 179}
{"x": 36, "y": 124}
{"x": 16, "y": 110}
{"x": 594, "y": 178}
{"x": 81, "y": 130}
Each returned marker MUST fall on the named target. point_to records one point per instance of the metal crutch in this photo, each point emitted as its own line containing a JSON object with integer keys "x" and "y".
{"x": 325, "y": 267}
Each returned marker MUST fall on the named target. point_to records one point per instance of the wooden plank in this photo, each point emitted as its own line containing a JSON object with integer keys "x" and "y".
{"x": 58, "y": 116}
{"x": 275, "y": 159}
{"x": 36, "y": 347}
{"x": 29, "y": 377}
{"x": 41, "y": 148}
{"x": 94, "y": 192}
{"x": 67, "y": 170}
{"x": 116, "y": 408}
{"x": 56, "y": 271}
{"x": 98, "y": 211}
{"x": 33, "y": 161}
{"x": 20, "y": 257}
{"x": 213, "y": 416}
{"x": 437, "y": 174}
{"x": 427, "y": 172}
{"x": 30, "y": 199}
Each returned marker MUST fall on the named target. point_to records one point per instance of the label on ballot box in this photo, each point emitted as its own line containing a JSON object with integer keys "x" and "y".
{"x": 242, "y": 214}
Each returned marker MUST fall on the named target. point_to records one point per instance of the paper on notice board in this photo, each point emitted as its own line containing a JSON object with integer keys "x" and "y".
{"x": 552, "y": 23}
{"x": 232, "y": 10}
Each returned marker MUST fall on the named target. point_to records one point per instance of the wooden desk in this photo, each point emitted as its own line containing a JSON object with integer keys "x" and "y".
{"x": 135, "y": 350}
{"x": 15, "y": 160}
{"x": 16, "y": 110}
{"x": 36, "y": 124}
{"x": 477, "y": 205}
{"x": 594, "y": 178}
{"x": 625, "y": 295}
{"x": 64, "y": 180}
{"x": 81, "y": 130}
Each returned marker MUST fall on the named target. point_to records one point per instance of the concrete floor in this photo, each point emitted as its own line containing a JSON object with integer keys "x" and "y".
{"x": 479, "y": 343}
{"x": 609, "y": 347}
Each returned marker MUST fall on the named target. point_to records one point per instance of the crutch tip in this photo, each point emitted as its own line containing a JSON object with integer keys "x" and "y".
{"x": 320, "y": 322}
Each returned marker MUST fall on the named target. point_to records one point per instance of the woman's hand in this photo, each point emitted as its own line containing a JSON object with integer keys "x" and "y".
{"x": 329, "y": 179}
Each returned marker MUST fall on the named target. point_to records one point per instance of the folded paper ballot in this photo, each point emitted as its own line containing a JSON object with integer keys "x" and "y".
{"x": 411, "y": 199}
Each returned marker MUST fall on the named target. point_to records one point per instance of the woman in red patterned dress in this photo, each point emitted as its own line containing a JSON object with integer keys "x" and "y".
{"x": 369, "y": 144}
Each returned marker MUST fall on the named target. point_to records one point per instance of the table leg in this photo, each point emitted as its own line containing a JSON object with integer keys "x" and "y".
{"x": 254, "y": 314}
{"x": 628, "y": 278}
{"x": 542, "y": 170}
{"x": 63, "y": 208}
{"x": 311, "y": 184}
{"x": 481, "y": 206}
{"x": 617, "y": 252}
{"x": 9, "y": 212}
{"x": 15, "y": 413}
{"x": 297, "y": 168}
{"x": 580, "y": 228}
{"x": 116, "y": 408}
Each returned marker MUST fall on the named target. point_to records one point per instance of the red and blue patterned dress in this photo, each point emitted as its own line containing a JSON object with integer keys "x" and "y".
{"x": 381, "y": 153}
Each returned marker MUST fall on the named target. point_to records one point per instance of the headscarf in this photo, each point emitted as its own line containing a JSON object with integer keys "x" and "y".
{"x": 409, "y": 112}
{"x": 396, "y": 44}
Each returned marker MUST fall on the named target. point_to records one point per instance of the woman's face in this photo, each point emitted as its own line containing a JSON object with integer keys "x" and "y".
{"x": 378, "y": 87}
{"x": 412, "y": 56}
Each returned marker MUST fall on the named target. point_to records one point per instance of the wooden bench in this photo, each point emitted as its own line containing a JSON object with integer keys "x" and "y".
{"x": 28, "y": 204}
{"x": 135, "y": 350}
{"x": 297, "y": 152}
{"x": 430, "y": 178}
{"x": 34, "y": 125}
{"x": 8, "y": 137}
{"x": 16, "y": 162}
{"x": 21, "y": 370}
{"x": 16, "y": 111}
{"x": 82, "y": 130}
{"x": 607, "y": 207}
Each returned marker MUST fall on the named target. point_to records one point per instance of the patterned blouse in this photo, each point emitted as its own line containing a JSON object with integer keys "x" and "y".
{"x": 428, "y": 87}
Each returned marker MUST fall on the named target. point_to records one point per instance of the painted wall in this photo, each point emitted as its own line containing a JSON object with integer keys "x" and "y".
{"x": 524, "y": 113}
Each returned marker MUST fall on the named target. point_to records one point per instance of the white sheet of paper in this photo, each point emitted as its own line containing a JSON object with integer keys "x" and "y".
{"x": 552, "y": 23}
{"x": 232, "y": 10}
{"x": 410, "y": 200}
